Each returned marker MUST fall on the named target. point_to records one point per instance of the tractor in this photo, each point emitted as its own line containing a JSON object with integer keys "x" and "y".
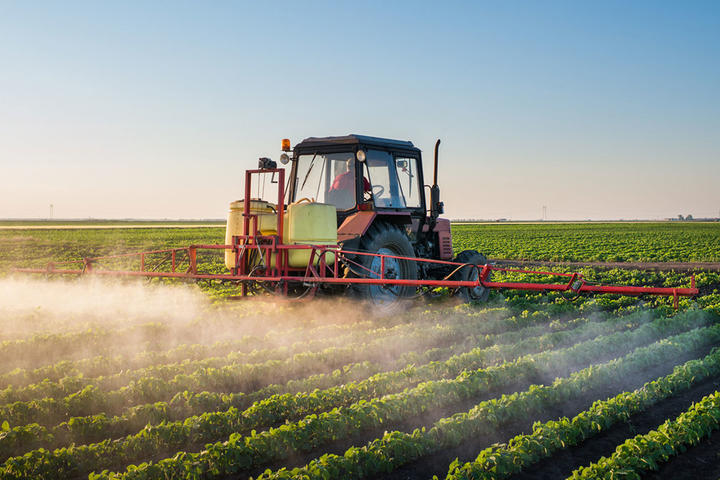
{"x": 374, "y": 189}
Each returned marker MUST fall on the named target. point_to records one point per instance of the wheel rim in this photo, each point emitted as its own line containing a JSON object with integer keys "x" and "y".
{"x": 477, "y": 293}
{"x": 383, "y": 295}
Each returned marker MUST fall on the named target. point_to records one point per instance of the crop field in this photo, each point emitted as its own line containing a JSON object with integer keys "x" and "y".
{"x": 158, "y": 380}
{"x": 605, "y": 242}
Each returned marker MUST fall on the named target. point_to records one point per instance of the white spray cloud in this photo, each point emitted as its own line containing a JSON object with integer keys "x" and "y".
{"x": 35, "y": 305}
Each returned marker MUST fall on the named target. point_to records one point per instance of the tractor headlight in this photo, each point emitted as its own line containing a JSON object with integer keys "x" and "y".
{"x": 360, "y": 155}
{"x": 284, "y": 158}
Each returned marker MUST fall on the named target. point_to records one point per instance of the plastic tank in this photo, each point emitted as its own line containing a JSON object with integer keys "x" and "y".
{"x": 267, "y": 223}
{"x": 310, "y": 223}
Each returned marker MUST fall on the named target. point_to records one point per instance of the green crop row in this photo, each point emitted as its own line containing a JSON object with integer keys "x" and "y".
{"x": 188, "y": 404}
{"x": 253, "y": 347}
{"x": 156, "y": 383}
{"x": 498, "y": 462}
{"x": 645, "y": 452}
{"x": 279, "y": 407}
{"x": 241, "y": 453}
{"x": 167, "y": 371}
{"x": 104, "y": 365}
{"x": 396, "y": 448}
{"x": 153, "y": 343}
{"x": 52, "y": 347}
{"x": 244, "y": 377}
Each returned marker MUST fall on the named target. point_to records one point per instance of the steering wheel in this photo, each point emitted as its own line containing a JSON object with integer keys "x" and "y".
{"x": 379, "y": 192}
{"x": 304, "y": 199}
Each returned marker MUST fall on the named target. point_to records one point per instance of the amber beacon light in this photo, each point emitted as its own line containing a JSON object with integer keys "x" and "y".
{"x": 285, "y": 144}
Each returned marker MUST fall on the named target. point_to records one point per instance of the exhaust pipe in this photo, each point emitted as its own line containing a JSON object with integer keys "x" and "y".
{"x": 436, "y": 206}
{"x": 437, "y": 147}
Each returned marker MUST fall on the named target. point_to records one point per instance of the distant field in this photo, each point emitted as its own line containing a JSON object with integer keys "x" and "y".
{"x": 90, "y": 223}
{"x": 36, "y": 247}
{"x": 609, "y": 242}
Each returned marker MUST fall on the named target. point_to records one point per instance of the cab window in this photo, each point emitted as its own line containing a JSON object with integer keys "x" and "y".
{"x": 394, "y": 180}
{"x": 326, "y": 178}
{"x": 407, "y": 174}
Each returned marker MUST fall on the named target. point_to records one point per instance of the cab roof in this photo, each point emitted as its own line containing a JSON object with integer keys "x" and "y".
{"x": 315, "y": 142}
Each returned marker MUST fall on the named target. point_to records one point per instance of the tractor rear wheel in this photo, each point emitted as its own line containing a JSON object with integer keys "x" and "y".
{"x": 470, "y": 273}
{"x": 385, "y": 239}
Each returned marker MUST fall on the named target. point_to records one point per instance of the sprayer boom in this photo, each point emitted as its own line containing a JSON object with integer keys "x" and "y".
{"x": 182, "y": 263}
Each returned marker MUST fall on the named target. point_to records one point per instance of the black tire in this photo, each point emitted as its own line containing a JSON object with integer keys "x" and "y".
{"x": 470, "y": 273}
{"x": 389, "y": 239}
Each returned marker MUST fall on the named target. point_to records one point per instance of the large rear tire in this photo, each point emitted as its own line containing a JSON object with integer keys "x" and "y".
{"x": 387, "y": 239}
{"x": 470, "y": 273}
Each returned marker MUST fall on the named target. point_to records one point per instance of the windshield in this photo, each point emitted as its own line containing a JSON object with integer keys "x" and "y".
{"x": 326, "y": 178}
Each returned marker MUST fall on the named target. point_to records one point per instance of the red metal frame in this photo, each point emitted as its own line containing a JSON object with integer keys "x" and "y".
{"x": 281, "y": 274}
{"x": 323, "y": 274}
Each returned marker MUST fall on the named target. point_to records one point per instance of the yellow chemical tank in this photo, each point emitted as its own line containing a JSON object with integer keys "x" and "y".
{"x": 313, "y": 224}
{"x": 307, "y": 223}
{"x": 267, "y": 223}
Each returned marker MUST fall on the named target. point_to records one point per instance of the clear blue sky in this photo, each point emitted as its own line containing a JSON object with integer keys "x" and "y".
{"x": 155, "y": 109}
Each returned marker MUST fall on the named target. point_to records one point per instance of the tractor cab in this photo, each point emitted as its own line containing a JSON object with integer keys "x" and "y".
{"x": 358, "y": 173}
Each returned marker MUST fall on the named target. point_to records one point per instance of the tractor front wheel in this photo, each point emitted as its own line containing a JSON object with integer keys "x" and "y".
{"x": 385, "y": 239}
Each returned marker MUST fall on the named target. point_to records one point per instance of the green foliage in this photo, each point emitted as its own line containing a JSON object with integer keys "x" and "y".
{"x": 239, "y": 453}
{"x": 209, "y": 410}
{"x": 36, "y": 247}
{"x": 519, "y": 453}
{"x": 645, "y": 452}
{"x": 207, "y": 427}
{"x": 70, "y": 395}
{"x": 395, "y": 448}
{"x": 600, "y": 242}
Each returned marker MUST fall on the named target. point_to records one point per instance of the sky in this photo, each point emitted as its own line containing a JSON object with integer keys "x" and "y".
{"x": 154, "y": 109}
